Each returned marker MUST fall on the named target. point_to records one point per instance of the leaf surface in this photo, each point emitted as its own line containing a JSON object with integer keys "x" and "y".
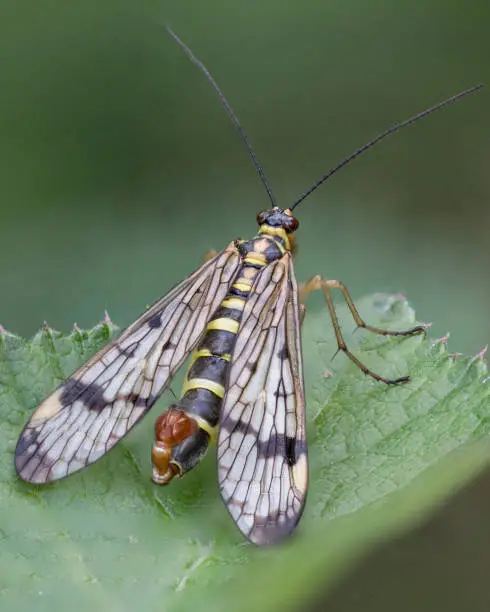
{"x": 109, "y": 537}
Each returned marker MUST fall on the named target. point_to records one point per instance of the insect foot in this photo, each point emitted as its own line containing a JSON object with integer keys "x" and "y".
{"x": 171, "y": 428}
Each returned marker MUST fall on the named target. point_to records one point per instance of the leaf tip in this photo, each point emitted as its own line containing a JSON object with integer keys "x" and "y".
{"x": 5, "y": 332}
{"x": 481, "y": 354}
{"x": 108, "y": 321}
{"x": 442, "y": 339}
{"x": 47, "y": 329}
{"x": 107, "y": 318}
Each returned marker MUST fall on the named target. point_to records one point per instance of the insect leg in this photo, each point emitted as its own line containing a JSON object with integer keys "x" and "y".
{"x": 302, "y": 313}
{"x": 317, "y": 283}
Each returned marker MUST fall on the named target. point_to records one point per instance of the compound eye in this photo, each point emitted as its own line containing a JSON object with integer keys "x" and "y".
{"x": 293, "y": 224}
{"x": 261, "y": 218}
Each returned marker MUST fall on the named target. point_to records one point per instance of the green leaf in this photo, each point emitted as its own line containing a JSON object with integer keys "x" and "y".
{"x": 108, "y": 537}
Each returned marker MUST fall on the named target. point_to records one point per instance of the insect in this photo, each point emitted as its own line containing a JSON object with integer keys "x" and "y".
{"x": 239, "y": 315}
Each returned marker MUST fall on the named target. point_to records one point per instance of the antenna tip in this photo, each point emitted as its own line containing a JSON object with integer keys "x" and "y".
{"x": 473, "y": 89}
{"x": 170, "y": 31}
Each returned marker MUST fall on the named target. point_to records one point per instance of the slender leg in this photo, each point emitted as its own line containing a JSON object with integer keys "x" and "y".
{"x": 317, "y": 283}
{"x": 302, "y": 313}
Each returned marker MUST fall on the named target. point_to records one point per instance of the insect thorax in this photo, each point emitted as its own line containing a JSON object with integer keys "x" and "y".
{"x": 263, "y": 249}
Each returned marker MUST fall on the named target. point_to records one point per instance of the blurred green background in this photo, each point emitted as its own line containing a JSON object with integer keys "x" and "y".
{"x": 111, "y": 141}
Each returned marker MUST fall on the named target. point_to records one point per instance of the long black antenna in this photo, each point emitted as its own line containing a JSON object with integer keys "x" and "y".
{"x": 371, "y": 143}
{"x": 228, "y": 109}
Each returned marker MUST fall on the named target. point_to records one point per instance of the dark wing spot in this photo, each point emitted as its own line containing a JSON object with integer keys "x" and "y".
{"x": 28, "y": 437}
{"x": 272, "y": 528}
{"x": 92, "y": 395}
{"x": 232, "y": 425}
{"x": 136, "y": 400}
{"x": 168, "y": 346}
{"x": 147, "y": 403}
{"x": 280, "y": 393}
{"x": 283, "y": 354}
{"x": 291, "y": 450}
{"x": 252, "y": 366}
{"x": 155, "y": 321}
{"x": 279, "y": 445}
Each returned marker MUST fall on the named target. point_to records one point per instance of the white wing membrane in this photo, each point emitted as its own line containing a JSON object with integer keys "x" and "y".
{"x": 97, "y": 406}
{"x": 262, "y": 459}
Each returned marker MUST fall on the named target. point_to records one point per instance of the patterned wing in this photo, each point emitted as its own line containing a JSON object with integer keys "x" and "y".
{"x": 98, "y": 404}
{"x": 262, "y": 459}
